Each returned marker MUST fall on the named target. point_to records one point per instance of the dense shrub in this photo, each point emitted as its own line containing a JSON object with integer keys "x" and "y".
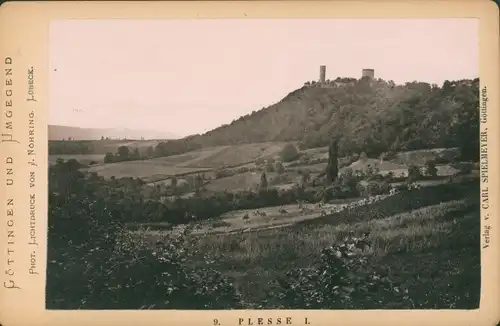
{"x": 337, "y": 281}
{"x": 289, "y": 153}
{"x": 373, "y": 188}
{"x": 463, "y": 167}
{"x": 431, "y": 169}
{"x": 279, "y": 168}
{"x": 161, "y": 277}
{"x": 94, "y": 263}
{"x": 414, "y": 174}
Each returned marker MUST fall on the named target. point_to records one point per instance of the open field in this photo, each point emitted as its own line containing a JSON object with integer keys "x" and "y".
{"x": 229, "y": 156}
{"x": 148, "y": 170}
{"x": 192, "y": 159}
{"x": 192, "y": 162}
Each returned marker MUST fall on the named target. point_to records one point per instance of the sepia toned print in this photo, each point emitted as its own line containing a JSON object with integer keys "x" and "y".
{"x": 249, "y": 163}
{"x": 335, "y": 172}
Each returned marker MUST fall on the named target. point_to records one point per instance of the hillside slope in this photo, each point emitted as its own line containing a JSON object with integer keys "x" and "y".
{"x": 372, "y": 116}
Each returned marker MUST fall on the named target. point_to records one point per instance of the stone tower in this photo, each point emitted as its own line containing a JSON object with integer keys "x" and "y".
{"x": 368, "y": 73}
{"x": 322, "y": 74}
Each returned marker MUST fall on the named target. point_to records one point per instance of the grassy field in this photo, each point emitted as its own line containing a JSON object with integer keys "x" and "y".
{"x": 148, "y": 170}
{"x": 193, "y": 158}
{"x": 239, "y": 155}
{"x": 192, "y": 162}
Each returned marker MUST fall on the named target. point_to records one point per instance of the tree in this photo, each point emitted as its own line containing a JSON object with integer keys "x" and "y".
{"x": 305, "y": 176}
{"x": 431, "y": 169}
{"x": 135, "y": 154}
{"x": 332, "y": 169}
{"x": 270, "y": 167}
{"x": 263, "y": 181}
{"x": 198, "y": 181}
{"x": 279, "y": 168}
{"x": 289, "y": 153}
{"x": 123, "y": 152}
{"x": 109, "y": 158}
{"x": 413, "y": 174}
{"x": 150, "y": 152}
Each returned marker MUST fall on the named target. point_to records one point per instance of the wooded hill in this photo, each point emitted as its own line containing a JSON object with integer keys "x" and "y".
{"x": 373, "y": 116}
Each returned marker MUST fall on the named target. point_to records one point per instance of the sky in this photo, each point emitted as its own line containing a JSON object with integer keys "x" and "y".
{"x": 191, "y": 76}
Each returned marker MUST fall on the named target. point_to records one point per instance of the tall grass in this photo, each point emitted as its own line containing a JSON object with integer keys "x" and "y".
{"x": 435, "y": 240}
{"x": 416, "y": 230}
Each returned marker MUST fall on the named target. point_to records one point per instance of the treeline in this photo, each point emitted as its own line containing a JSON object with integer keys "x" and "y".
{"x": 68, "y": 147}
{"x": 125, "y": 153}
{"x": 63, "y": 147}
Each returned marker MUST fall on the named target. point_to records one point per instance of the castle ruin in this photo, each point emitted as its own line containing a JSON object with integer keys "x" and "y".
{"x": 368, "y": 73}
{"x": 322, "y": 82}
{"x": 322, "y": 74}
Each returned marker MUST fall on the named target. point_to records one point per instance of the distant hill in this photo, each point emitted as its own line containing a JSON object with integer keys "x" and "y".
{"x": 76, "y": 133}
{"x": 373, "y": 116}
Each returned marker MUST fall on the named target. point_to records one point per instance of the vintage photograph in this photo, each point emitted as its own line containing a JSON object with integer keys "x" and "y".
{"x": 264, "y": 164}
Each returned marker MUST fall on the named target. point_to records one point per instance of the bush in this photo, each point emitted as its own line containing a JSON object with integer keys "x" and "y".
{"x": 374, "y": 188}
{"x": 94, "y": 262}
{"x": 173, "y": 285}
{"x": 337, "y": 281}
{"x": 270, "y": 167}
{"x": 279, "y": 168}
{"x": 109, "y": 158}
{"x": 289, "y": 153}
{"x": 414, "y": 174}
{"x": 431, "y": 169}
{"x": 463, "y": 167}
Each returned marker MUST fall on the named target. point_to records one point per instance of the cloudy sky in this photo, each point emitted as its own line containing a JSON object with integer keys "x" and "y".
{"x": 190, "y": 76}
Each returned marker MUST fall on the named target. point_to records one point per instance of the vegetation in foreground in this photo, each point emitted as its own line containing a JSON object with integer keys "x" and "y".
{"x": 416, "y": 249}
{"x": 427, "y": 258}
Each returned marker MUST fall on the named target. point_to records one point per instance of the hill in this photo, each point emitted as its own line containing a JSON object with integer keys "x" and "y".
{"x": 75, "y": 133}
{"x": 373, "y": 116}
